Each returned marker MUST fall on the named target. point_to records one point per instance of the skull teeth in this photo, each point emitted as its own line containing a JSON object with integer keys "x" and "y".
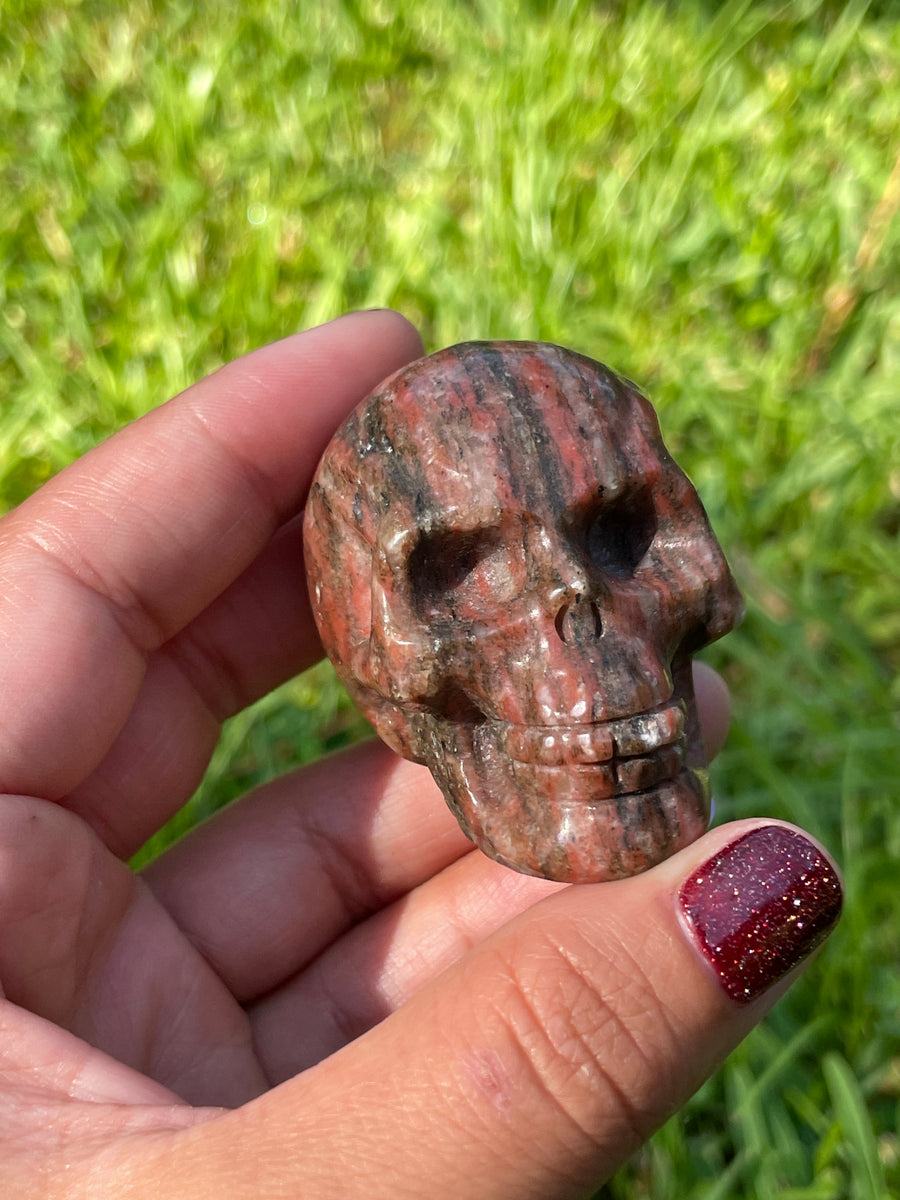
{"x": 628, "y": 737}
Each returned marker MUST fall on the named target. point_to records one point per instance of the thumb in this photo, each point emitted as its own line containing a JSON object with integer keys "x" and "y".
{"x": 539, "y": 1063}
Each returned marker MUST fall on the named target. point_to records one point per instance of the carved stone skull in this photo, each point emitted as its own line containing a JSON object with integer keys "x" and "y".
{"x": 510, "y": 575}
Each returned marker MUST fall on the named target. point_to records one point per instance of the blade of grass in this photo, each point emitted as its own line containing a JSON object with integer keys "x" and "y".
{"x": 860, "y": 1140}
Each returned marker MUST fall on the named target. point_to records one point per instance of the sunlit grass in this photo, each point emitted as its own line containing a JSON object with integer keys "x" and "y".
{"x": 702, "y": 195}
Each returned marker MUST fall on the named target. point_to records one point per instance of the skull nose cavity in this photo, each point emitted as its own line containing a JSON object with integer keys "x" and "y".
{"x": 579, "y": 616}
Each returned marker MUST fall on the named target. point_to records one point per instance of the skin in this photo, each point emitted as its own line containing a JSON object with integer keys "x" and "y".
{"x": 324, "y": 991}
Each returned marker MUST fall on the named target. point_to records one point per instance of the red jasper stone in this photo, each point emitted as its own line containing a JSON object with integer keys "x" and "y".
{"x": 510, "y": 575}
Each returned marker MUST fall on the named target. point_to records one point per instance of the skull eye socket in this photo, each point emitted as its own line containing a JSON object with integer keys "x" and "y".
{"x": 461, "y": 569}
{"x": 619, "y": 532}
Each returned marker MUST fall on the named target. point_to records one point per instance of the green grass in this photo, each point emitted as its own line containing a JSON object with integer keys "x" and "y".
{"x": 705, "y": 196}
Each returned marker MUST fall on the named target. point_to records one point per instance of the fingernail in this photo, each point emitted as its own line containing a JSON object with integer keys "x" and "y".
{"x": 760, "y": 906}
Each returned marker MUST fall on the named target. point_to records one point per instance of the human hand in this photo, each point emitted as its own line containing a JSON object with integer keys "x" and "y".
{"x": 324, "y": 991}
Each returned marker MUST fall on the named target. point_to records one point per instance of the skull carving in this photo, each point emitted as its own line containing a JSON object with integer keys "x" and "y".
{"x": 510, "y": 575}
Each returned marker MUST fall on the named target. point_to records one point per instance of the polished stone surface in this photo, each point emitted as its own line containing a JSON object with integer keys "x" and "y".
{"x": 510, "y": 575}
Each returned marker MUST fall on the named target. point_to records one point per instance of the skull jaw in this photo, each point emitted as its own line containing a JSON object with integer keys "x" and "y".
{"x": 560, "y": 822}
{"x": 598, "y": 841}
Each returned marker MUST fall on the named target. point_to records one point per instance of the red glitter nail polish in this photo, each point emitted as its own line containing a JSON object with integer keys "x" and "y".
{"x": 760, "y": 906}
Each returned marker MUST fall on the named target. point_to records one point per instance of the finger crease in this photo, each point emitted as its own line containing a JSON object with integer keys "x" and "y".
{"x": 343, "y": 874}
{"x": 141, "y": 627}
{"x": 600, "y": 1076}
{"x": 212, "y": 676}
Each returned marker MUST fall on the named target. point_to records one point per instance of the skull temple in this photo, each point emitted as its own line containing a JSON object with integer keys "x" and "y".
{"x": 510, "y": 575}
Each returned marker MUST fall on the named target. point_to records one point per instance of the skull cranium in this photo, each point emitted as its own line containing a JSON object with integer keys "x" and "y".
{"x": 511, "y": 575}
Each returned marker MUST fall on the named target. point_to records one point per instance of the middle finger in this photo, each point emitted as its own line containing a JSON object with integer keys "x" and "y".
{"x": 265, "y": 885}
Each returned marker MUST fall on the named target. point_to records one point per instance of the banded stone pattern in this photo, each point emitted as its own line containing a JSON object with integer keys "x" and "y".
{"x": 511, "y": 574}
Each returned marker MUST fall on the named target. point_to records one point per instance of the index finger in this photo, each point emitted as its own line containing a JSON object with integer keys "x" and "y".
{"x": 125, "y": 547}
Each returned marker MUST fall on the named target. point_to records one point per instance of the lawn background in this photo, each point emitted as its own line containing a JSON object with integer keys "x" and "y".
{"x": 704, "y": 196}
